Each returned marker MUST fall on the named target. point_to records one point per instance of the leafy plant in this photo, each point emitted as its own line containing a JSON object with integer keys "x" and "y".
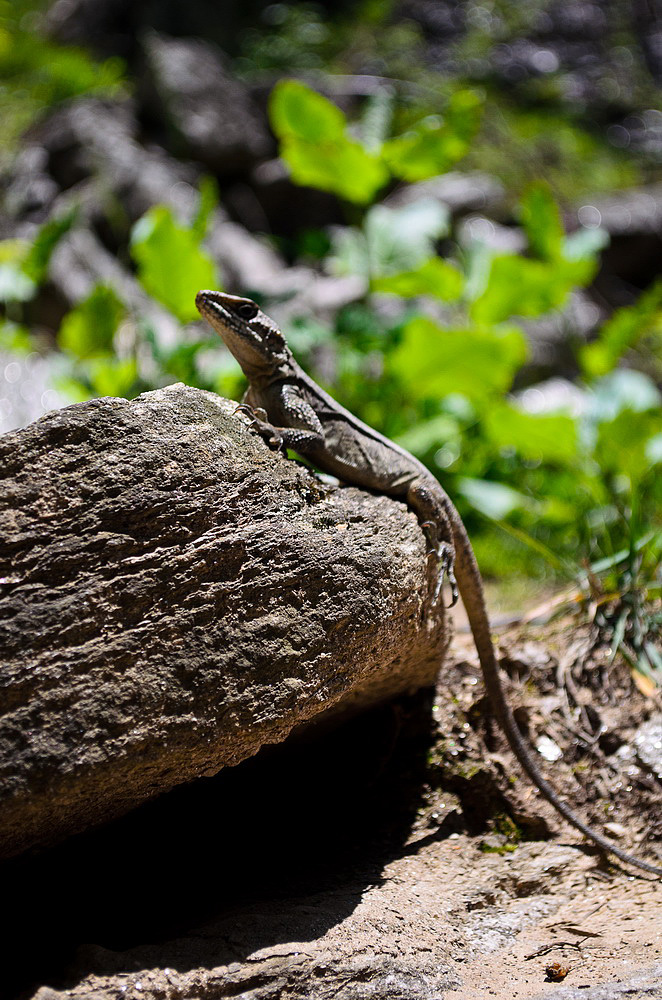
{"x": 24, "y": 265}
{"x": 630, "y": 620}
{"x": 172, "y": 266}
{"x": 624, "y": 332}
{"x": 551, "y": 479}
{"x": 390, "y": 242}
{"x": 317, "y": 144}
{"x": 107, "y": 347}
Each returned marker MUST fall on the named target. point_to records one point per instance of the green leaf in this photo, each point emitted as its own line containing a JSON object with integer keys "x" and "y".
{"x": 585, "y": 243}
{"x": 628, "y": 444}
{"x": 623, "y": 331}
{"x": 392, "y": 240}
{"x": 207, "y": 204}
{"x": 74, "y": 389}
{"x": 340, "y": 166}
{"x": 530, "y": 541}
{"x": 110, "y": 376}
{"x": 13, "y": 251}
{"x": 653, "y": 450}
{"x": 623, "y": 389}
{"x": 14, "y": 339}
{"x": 434, "y": 277}
{"x": 403, "y": 238}
{"x": 518, "y": 286}
{"x": 540, "y": 217}
{"x": 476, "y": 362}
{"x": 89, "y": 329}
{"x": 350, "y": 253}
{"x": 297, "y": 112}
{"x": 541, "y": 437}
{"x": 172, "y": 266}
{"x": 49, "y": 235}
{"x": 180, "y": 361}
{"x": 375, "y": 122}
{"x": 463, "y": 113}
{"x": 423, "y": 437}
{"x": 434, "y": 144}
{"x": 477, "y": 266}
{"x": 600, "y": 565}
{"x": 317, "y": 148}
{"x": 15, "y": 284}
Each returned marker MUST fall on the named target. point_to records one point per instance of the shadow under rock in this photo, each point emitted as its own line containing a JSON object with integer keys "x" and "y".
{"x": 319, "y": 815}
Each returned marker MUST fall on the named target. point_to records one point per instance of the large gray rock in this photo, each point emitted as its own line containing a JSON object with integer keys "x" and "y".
{"x": 174, "y": 596}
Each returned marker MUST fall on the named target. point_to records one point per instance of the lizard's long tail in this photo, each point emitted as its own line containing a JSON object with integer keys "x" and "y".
{"x": 471, "y": 590}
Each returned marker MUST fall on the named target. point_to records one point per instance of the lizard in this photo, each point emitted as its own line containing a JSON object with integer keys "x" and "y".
{"x": 289, "y": 410}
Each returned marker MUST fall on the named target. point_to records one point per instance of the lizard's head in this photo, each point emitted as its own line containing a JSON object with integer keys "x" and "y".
{"x": 254, "y": 339}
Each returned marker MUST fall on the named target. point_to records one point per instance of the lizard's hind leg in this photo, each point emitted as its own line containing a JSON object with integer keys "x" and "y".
{"x": 444, "y": 554}
{"x": 439, "y": 534}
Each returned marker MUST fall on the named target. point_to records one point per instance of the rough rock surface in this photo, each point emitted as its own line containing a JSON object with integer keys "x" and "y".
{"x": 175, "y": 596}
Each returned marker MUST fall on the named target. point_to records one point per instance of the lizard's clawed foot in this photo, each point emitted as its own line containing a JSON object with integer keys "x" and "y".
{"x": 259, "y": 423}
{"x": 444, "y": 553}
{"x": 446, "y": 556}
{"x": 257, "y": 413}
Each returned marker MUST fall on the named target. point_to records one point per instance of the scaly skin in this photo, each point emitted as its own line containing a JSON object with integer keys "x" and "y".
{"x": 290, "y": 410}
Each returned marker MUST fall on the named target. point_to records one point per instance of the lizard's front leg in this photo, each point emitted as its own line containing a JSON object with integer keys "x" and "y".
{"x": 298, "y": 427}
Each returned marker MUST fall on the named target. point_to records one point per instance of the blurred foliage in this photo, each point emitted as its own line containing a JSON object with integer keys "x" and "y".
{"x": 625, "y": 591}
{"x": 317, "y": 145}
{"x": 532, "y": 125}
{"x": 441, "y": 385}
{"x": 637, "y": 328}
{"x": 518, "y": 143}
{"x": 36, "y": 74}
{"x": 435, "y": 143}
{"x": 172, "y": 266}
{"x": 390, "y": 241}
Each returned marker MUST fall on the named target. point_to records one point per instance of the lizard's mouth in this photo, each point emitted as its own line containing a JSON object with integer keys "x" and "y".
{"x": 231, "y": 310}
{"x": 216, "y": 308}
{"x": 210, "y": 304}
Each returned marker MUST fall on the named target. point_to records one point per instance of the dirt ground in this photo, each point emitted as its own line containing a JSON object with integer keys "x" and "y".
{"x": 445, "y": 920}
{"x": 604, "y": 931}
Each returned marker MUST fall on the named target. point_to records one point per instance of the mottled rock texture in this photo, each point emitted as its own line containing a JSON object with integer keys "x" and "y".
{"x": 175, "y": 596}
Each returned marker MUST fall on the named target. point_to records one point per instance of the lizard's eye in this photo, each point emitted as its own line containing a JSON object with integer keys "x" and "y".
{"x": 247, "y": 310}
